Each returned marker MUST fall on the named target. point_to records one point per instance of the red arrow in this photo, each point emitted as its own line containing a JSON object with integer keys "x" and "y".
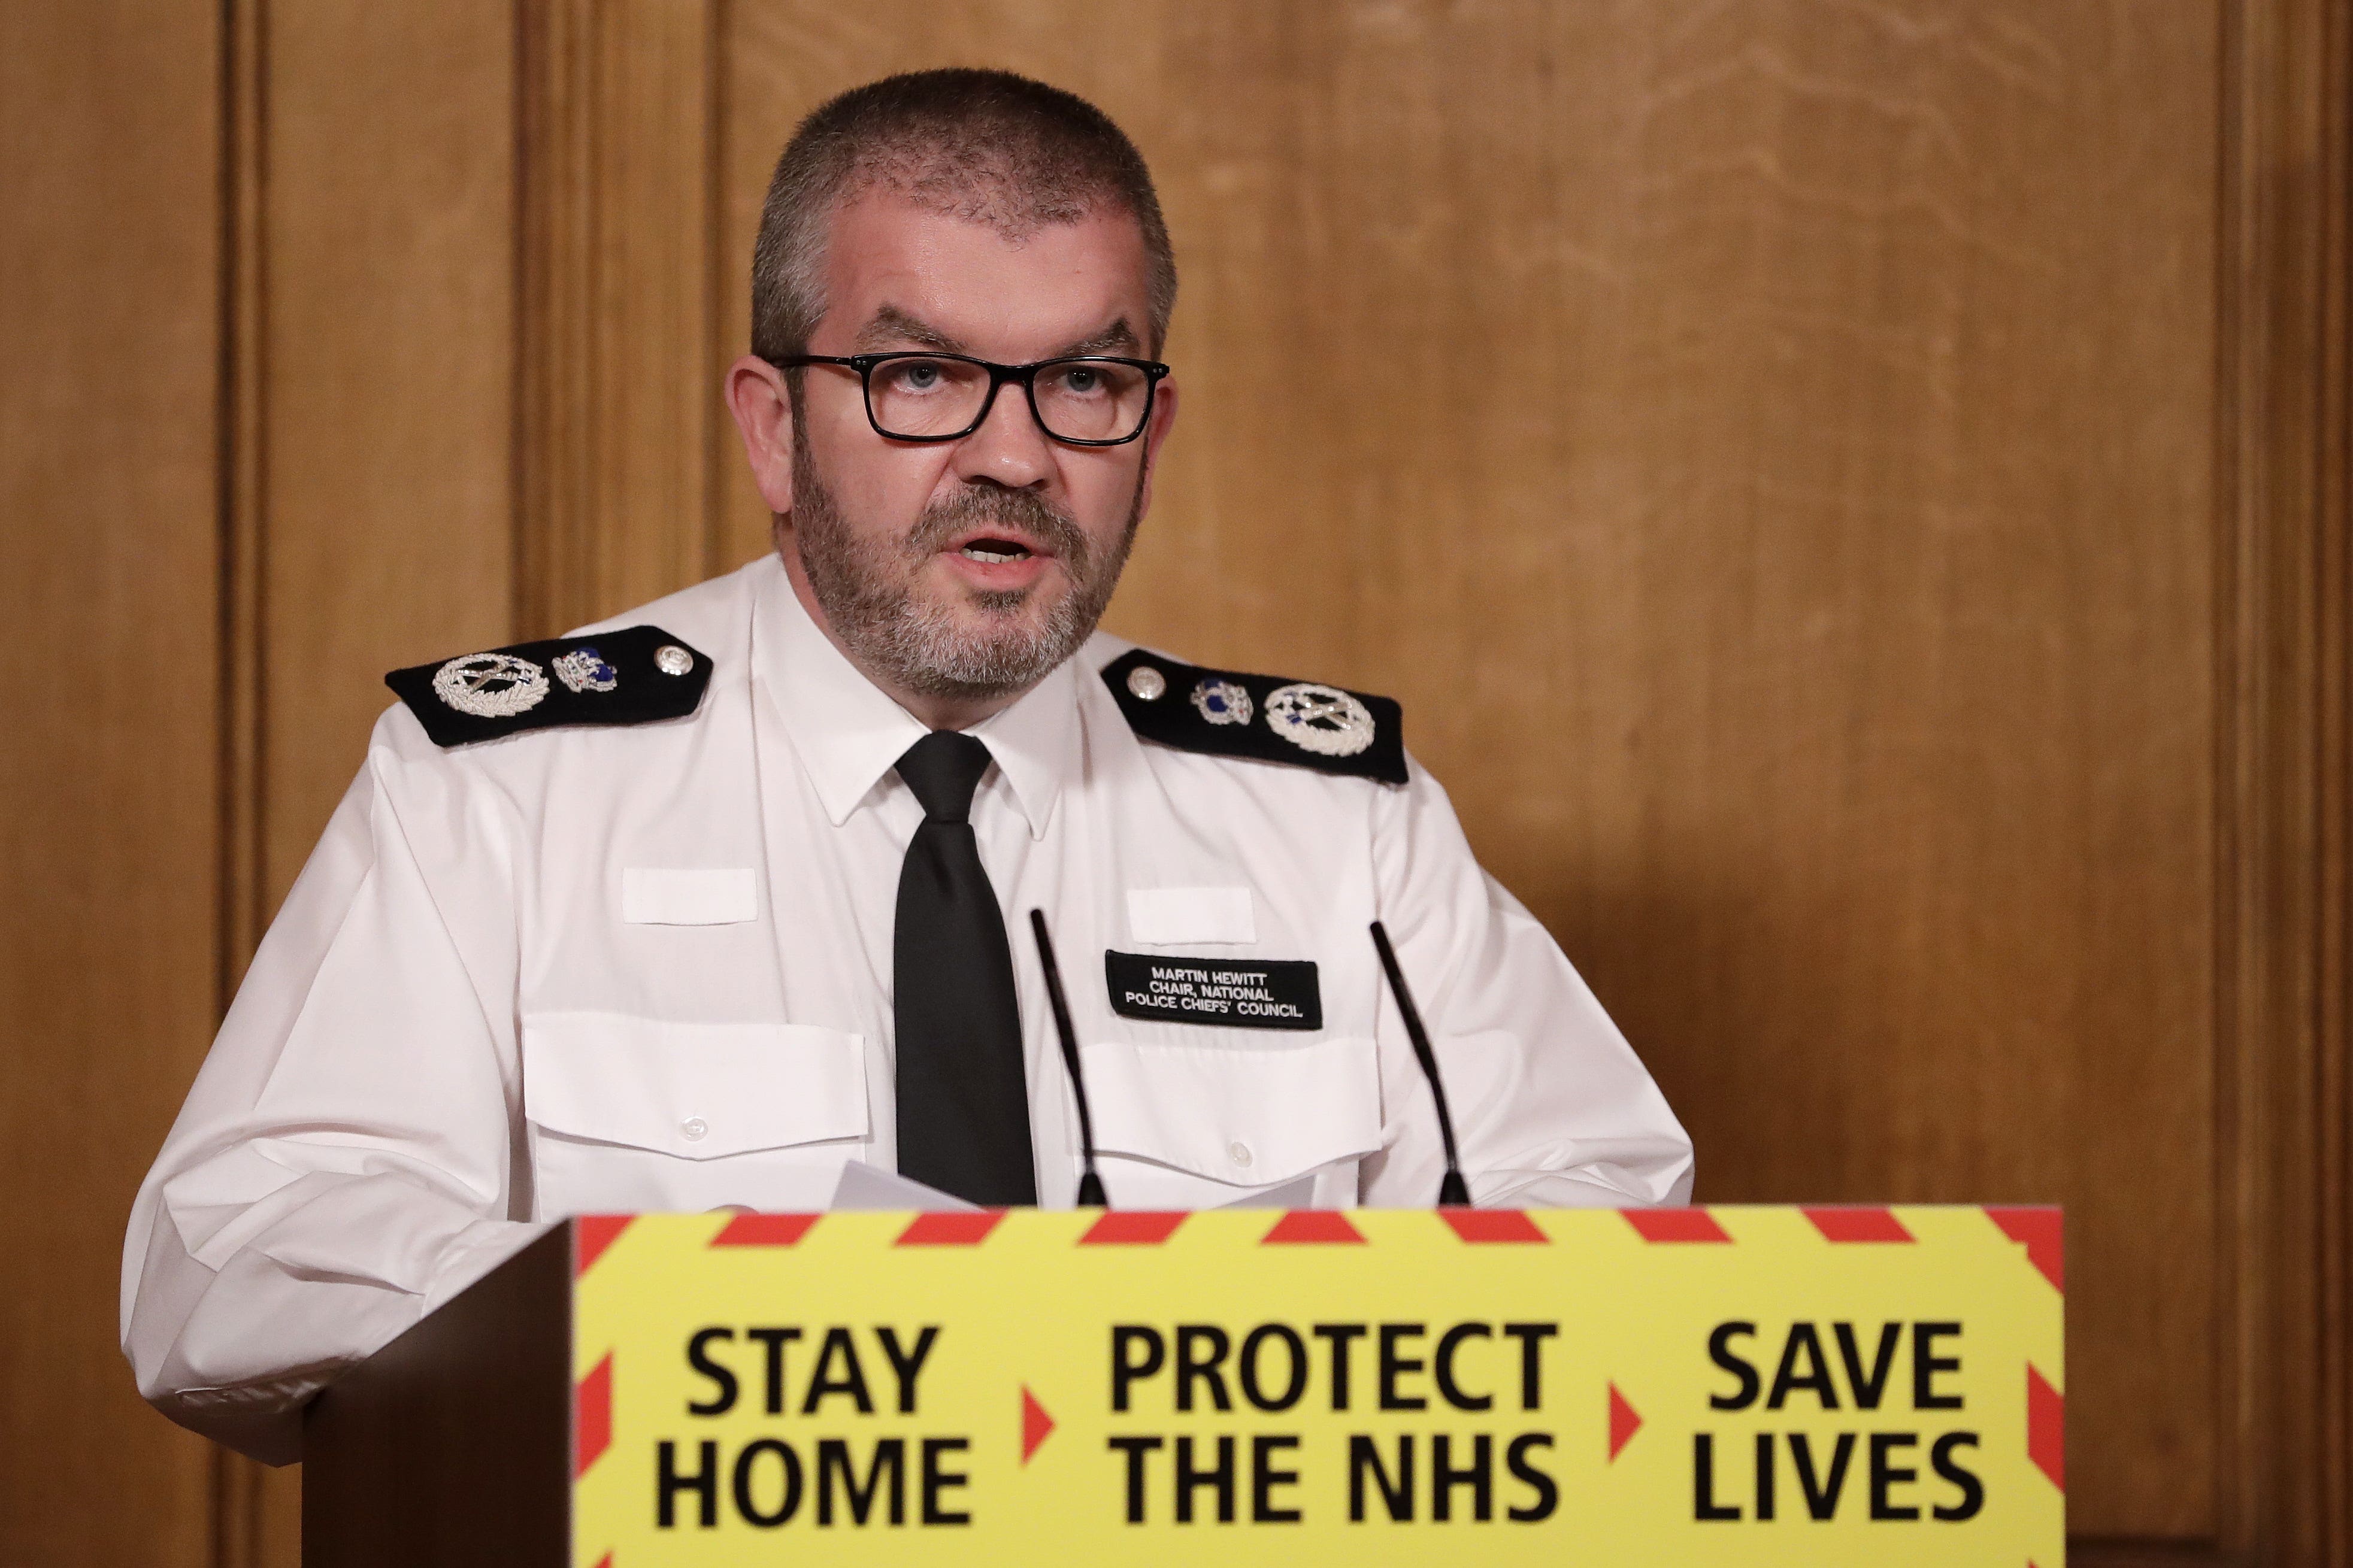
{"x": 1623, "y": 1423}
{"x": 1035, "y": 1424}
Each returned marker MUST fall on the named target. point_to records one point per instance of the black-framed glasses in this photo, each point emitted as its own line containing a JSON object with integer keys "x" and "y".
{"x": 1090, "y": 400}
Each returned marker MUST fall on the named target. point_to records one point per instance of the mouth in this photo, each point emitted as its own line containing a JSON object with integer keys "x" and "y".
{"x": 999, "y": 558}
{"x": 997, "y": 547}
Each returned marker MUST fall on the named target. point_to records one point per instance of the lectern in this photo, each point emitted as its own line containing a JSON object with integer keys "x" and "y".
{"x": 1709, "y": 1386}
{"x": 453, "y": 1444}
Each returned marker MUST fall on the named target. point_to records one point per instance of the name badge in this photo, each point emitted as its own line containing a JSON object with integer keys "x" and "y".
{"x": 1219, "y": 993}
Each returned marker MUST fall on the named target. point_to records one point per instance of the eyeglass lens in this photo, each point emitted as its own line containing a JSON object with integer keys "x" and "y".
{"x": 1077, "y": 400}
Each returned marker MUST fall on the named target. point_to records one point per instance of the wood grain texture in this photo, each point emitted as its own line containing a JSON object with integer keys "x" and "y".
{"x": 1770, "y": 449}
{"x": 109, "y": 243}
{"x": 255, "y": 1510}
{"x": 616, "y": 379}
{"x": 389, "y": 362}
{"x": 370, "y": 518}
{"x": 1852, "y": 496}
{"x": 2282, "y": 758}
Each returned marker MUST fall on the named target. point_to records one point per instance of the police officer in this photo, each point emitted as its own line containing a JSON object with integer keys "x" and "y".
{"x": 697, "y": 906}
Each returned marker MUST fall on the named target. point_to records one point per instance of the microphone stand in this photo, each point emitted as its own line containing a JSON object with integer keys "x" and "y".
{"x": 1452, "y": 1191}
{"x": 1091, "y": 1187}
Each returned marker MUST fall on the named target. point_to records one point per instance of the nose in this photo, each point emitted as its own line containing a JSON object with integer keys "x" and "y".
{"x": 1008, "y": 448}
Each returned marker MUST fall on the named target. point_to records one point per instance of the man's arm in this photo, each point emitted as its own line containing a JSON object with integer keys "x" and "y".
{"x": 1551, "y": 1106}
{"x": 342, "y": 1163}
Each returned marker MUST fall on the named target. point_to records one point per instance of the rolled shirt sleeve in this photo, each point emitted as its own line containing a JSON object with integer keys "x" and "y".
{"x": 344, "y": 1161}
{"x": 1551, "y": 1106}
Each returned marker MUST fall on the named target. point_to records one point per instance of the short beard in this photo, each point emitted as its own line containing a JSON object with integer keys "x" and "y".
{"x": 864, "y": 584}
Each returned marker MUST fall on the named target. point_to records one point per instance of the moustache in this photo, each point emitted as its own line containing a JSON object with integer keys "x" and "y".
{"x": 979, "y": 506}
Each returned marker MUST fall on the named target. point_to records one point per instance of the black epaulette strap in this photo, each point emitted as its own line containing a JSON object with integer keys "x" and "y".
{"x": 1266, "y": 718}
{"x": 633, "y": 677}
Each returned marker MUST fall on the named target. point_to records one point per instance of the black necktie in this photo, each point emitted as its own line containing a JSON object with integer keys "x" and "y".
{"x": 964, "y": 1104}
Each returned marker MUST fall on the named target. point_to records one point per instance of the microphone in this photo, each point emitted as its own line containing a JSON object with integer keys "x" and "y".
{"x": 1452, "y": 1193}
{"x": 1091, "y": 1187}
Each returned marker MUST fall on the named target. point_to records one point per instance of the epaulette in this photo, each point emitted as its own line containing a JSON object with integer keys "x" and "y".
{"x": 1263, "y": 717}
{"x": 632, "y": 676}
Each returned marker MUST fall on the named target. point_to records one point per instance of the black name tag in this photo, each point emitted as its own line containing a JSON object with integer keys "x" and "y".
{"x": 1221, "y": 993}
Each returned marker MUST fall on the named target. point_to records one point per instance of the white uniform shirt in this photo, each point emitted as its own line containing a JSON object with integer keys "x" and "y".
{"x": 638, "y": 968}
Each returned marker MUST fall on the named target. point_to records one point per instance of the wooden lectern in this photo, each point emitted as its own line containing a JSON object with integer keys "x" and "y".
{"x": 453, "y": 1444}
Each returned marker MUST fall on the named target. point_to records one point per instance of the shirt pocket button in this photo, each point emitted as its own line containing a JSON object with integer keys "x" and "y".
{"x": 694, "y": 1127}
{"x": 1239, "y": 1154}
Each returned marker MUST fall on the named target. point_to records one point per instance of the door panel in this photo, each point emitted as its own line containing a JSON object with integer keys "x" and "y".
{"x": 109, "y": 803}
{"x": 1768, "y": 447}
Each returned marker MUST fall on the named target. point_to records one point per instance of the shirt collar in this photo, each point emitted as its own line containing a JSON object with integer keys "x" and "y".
{"x": 849, "y": 735}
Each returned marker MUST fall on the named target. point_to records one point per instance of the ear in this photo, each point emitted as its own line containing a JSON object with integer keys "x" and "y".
{"x": 764, "y": 417}
{"x": 1163, "y": 417}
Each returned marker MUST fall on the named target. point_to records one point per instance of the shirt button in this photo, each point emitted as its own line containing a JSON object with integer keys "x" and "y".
{"x": 694, "y": 1127}
{"x": 1239, "y": 1154}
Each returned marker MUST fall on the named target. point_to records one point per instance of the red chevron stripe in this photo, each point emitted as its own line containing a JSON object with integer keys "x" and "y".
{"x": 1675, "y": 1225}
{"x": 1132, "y": 1227}
{"x": 1311, "y": 1225}
{"x": 1846, "y": 1224}
{"x": 591, "y": 1235}
{"x": 1492, "y": 1224}
{"x": 2046, "y": 1427}
{"x": 763, "y": 1230}
{"x": 592, "y": 1417}
{"x": 960, "y": 1228}
{"x": 2042, "y": 1231}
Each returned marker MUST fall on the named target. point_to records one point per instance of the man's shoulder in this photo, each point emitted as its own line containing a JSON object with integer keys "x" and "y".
{"x": 1250, "y": 717}
{"x": 645, "y": 666}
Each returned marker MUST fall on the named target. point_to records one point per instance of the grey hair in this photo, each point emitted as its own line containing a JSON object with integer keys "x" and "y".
{"x": 986, "y": 145}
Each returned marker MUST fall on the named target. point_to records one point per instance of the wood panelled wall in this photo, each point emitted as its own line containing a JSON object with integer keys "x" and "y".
{"x": 1852, "y": 498}
{"x": 110, "y": 777}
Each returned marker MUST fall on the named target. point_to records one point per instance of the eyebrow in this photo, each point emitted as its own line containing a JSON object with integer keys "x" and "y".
{"x": 892, "y": 325}
{"x": 1118, "y": 335}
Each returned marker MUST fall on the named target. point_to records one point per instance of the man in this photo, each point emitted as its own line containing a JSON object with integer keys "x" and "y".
{"x": 695, "y": 906}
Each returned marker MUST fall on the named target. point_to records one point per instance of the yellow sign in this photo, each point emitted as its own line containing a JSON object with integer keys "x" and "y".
{"x": 1727, "y": 1385}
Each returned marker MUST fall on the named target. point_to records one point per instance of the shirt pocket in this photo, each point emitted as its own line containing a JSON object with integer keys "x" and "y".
{"x": 631, "y": 1114}
{"x": 1164, "y": 917}
{"x": 656, "y": 896}
{"x": 1183, "y": 1126}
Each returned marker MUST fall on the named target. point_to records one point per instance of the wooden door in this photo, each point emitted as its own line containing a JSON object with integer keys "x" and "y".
{"x": 257, "y": 311}
{"x": 110, "y": 787}
{"x": 1795, "y": 464}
